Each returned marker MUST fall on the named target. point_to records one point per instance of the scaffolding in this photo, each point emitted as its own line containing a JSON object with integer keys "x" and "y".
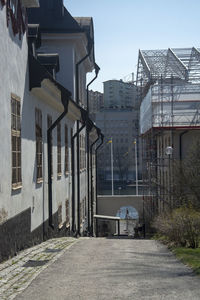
{"x": 168, "y": 83}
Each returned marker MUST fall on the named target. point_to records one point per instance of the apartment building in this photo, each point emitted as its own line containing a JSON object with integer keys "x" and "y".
{"x": 118, "y": 93}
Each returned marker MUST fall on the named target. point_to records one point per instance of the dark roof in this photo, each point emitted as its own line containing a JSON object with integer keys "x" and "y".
{"x": 53, "y": 17}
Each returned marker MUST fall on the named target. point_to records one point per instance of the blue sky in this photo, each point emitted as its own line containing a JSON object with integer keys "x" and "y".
{"x": 122, "y": 27}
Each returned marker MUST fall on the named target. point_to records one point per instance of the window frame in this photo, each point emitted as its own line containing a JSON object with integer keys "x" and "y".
{"x": 16, "y": 147}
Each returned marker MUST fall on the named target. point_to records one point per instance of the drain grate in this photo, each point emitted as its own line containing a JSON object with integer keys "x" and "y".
{"x": 35, "y": 263}
{"x": 48, "y": 250}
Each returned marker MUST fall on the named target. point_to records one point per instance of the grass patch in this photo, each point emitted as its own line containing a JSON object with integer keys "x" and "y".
{"x": 190, "y": 257}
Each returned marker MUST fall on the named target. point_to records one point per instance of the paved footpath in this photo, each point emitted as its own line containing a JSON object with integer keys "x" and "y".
{"x": 108, "y": 269}
{"x": 17, "y": 273}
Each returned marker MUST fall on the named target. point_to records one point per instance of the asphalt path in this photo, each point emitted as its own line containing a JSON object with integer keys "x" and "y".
{"x": 114, "y": 269}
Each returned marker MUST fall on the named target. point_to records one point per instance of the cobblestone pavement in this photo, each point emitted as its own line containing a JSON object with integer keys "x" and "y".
{"x": 18, "y": 272}
{"x": 120, "y": 269}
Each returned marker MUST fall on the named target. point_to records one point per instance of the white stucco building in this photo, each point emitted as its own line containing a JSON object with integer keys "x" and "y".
{"x": 45, "y": 187}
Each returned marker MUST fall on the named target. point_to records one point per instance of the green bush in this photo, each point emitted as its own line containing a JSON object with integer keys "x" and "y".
{"x": 181, "y": 226}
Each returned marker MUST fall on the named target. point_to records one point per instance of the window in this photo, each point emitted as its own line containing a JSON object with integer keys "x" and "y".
{"x": 49, "y": 123}
{"x": 38, "y": 134}
{"x": 66, "y": 151}
{"x": 16, "y": 141}
{"x": 59, "y": 170}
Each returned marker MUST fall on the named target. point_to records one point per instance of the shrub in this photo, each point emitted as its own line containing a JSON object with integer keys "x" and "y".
{"x": 181, "y": 226}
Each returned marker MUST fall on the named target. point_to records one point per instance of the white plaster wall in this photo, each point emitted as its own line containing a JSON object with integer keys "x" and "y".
{"x": 69, "y": 55}
{"x": 13, "y": 72}
{"x": 14, "y": 79}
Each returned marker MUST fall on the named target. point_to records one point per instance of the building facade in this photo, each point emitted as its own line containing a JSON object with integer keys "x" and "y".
{"x": 169, "y": 85}
{"x": 118, "y": 93}
{"x": 96, "y": 103}
{"x": 44, "y": 188}
{"x": 120, "y": 125}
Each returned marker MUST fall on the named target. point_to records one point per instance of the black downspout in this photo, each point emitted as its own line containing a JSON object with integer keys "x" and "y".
{"x": 91, "y": 179}
{"x": 88, "y": 176}
{"x": 49, "y": 145}
{"x": 88, "y": 145}
{"x": 97, "y": 69}
{"x": 102, "y": 137}
{"x": 90, "y": 45}
{"x": 73, "y": 182}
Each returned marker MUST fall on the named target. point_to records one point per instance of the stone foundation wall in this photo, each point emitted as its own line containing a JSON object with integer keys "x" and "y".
{"x": 16, "y": 235}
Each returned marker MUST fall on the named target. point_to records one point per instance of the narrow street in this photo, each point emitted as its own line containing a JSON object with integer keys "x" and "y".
{"x": 114, "y": 269}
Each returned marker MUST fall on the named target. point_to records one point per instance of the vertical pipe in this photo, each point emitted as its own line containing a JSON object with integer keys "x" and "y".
{"x": 88, "y": 177}
{"x": 136, "y": 168}
{"x": 92, "y": 194}
{"x": 102, "y": 137}
{"x": 111, "y": 158}
{"x": 118, "y": 224}
{"x": 73, "y": 180}
{"x": 49, "y": 145}
{"x": 73, "y": 184}
{"x": 90, "y": 45}
{"x": 88, "y": 145}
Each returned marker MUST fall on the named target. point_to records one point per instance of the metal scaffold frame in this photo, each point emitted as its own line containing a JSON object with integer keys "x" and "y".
{"x": 168, "y": 84}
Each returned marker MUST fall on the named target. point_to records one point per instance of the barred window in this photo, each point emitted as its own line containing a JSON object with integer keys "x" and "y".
{"x": 66, "y": 151}
{"x": 16, "y": 141}
{"x": 38, "y": 135}
{"x": 59, "y": 169}
{"x": 49, "y": 123}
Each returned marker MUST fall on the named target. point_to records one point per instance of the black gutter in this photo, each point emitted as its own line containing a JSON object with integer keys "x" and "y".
{"x": 91, "y": 179}
{"x": 49, "y": 147}
{"x": 102, "y": 138}
{"x": 88, "y": 129}
{"x": 73, "y": 183}
{"x": 88, "y": 145}
{"x": 37, "y": 73}
{"x": 90, "y": 45}
{"x": 97, "y": 69}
